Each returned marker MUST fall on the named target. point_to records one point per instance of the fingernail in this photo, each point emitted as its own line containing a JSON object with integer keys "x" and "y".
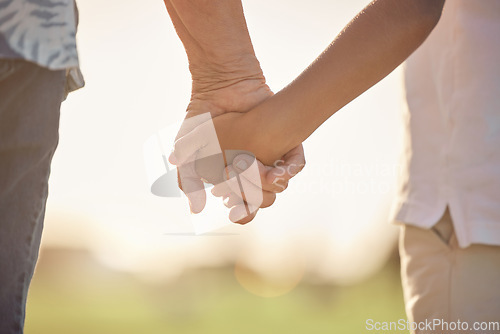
{"x": 241, "y": 164}
{"x": 231, "y": 175}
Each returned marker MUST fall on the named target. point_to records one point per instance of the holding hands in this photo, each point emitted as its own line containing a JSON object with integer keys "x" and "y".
{"x": 218, "y": 143}
{"x": 227, "y": 82}
{"x": 243, "y": 114}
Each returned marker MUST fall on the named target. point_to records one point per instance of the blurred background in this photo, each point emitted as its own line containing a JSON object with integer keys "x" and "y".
{"x": 116, "y": 259}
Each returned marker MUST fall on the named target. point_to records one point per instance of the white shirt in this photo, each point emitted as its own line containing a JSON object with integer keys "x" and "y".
{"x": 452, "y": 144}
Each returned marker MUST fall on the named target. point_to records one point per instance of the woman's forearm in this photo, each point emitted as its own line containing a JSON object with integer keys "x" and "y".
{"x": 372, "y": 45}
{"x": 217, "y": 42}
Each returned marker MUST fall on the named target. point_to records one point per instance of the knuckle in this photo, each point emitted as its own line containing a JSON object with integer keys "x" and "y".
{"x": 270, "y": 201}
{"x": 280, "y": 186}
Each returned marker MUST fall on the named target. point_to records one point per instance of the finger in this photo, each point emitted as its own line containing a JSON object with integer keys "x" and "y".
{"x": 241, "y": 164}
{"x": 231, "y": 184}
{"x": 221, "y": 189}
{"x": 231, "y": 181}
{"x": 200, "y": 143}
{"x": 268, "y": 199}
{"x": 210, "y": 169}
{"x": 244, "y": 186}
{"x": 191, "y": 121}
{"x": 231, "y": 200}
{"x": 186, "y": 147}
{"x": 191, "y": 185}
{"x": 239, "y": 215}
{"x": 197, "y": 200}
{"x": 291, "y": 164}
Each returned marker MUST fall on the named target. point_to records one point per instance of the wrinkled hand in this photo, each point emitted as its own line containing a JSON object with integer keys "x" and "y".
{"x": 237, "y": 98}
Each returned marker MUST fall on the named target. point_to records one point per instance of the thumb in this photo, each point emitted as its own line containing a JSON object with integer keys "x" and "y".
{"x": 199, "y": 143}
{"x": 185, "y": 147}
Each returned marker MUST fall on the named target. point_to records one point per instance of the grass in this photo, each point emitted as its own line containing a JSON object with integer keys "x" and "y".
{"x": 86, "y": 298}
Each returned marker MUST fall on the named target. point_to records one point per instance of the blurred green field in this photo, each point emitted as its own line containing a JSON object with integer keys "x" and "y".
{"x": 71, "y": 294}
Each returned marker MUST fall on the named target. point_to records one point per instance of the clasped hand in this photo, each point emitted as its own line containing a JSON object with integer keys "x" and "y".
{"x": 226, "y": 149}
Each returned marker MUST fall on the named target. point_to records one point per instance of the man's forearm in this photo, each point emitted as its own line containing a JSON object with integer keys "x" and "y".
{"x": 381, "y": 37}
{"x": 217, "y": 42}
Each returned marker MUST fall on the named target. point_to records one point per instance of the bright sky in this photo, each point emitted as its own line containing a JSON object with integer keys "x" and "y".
{"x": 330, "y": 224}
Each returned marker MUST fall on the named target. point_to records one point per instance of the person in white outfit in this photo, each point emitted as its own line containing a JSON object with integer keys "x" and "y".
{"x": 449, "y": 198}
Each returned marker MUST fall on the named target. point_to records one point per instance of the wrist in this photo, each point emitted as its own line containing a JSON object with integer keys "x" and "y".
{"x": 221, "y": 72}
{"x": 267, "y": 136}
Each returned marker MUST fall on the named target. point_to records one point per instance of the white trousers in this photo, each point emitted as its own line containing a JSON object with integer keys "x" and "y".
{"x": 443, "y": 283}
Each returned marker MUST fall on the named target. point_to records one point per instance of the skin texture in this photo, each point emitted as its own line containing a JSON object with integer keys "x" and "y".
{"x": 371, "y": 46}
{"x": 226, "y": 78}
